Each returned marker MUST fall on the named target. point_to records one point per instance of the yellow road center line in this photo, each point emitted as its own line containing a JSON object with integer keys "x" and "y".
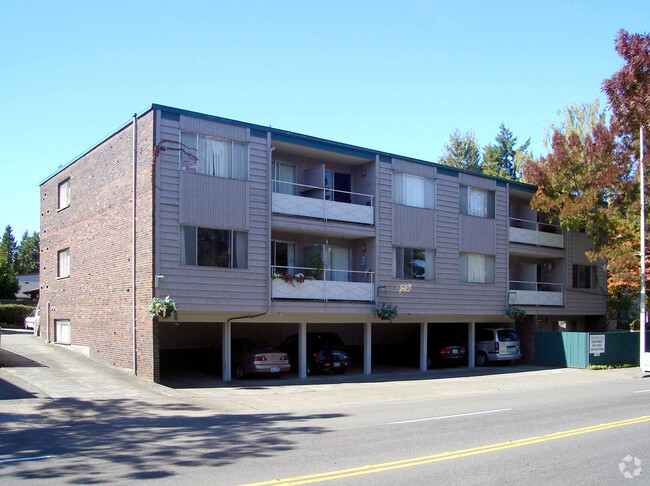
{"x": 445, "y": 456}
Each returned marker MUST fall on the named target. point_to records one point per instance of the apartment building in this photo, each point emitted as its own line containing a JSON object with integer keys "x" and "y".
{"x": 260, "y": 232}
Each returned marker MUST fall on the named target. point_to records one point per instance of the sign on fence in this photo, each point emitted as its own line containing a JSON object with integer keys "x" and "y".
{"x": 596, "y": 344}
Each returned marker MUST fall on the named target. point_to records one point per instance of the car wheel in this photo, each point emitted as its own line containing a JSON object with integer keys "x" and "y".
{"x": 481, "y": 359}
{"x": 240, "y": 374}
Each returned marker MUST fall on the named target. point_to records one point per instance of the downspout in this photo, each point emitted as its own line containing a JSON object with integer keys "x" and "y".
{"x": 227, "y": 352}
{"x": 47, "y": 322}
{"x": 133, "y": 240}
{"x": 269, "y": 205}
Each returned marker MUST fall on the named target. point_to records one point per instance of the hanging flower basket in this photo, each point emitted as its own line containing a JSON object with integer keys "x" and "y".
{"x": 385, "y": 312}
{"x": 163, "y": 308}
{"x": 515, "y": 313}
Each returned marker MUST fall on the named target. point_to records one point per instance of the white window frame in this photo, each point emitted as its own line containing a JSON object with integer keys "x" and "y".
{"x": 64, "y": 194}
{"x": 190, "y": 162}
{"x": 59, "y": 326}
{"x": 63, "y": 263}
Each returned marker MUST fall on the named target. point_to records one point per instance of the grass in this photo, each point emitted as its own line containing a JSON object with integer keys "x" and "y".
{"x": 613, "y": 366}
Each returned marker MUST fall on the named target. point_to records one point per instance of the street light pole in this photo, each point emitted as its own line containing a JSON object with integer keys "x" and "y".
{"x": 642, "y": 316}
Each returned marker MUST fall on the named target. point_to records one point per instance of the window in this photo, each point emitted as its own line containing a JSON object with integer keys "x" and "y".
{"x": 476, "y": 268}
{"x": 213, "y": 156}
{"x": 207, "y": 247}
{"x": 284, "y": 178}
{"x": 342, "y": 185}
{"x": 476, "y": 202}
{"x": 64, "y": 194}
{"x": 415, "y": 264}
{"x": 284, "y": 257}
{"x": 415, "y": 191}
{"x": 585, "y": 277}
{"x": 63, "y": 263}
{"x": 62, "y": 331}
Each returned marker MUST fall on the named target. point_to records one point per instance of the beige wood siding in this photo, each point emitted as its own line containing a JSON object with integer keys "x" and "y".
{"x": 414, "y": 227}
{"x": 213, "y": 202}
{"x": 478, "y": 235}
{"x": 185, "y": 199}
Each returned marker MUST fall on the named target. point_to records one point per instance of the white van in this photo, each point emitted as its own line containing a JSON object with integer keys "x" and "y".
{"x": 497, "y": 344}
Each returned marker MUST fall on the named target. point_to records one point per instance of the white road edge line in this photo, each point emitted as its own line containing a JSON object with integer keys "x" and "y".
{"x": 39, "y": 458}
{"x": 427, "y": 419}
{"x": 642, "y": 391}
{"x": 450, "y": 416}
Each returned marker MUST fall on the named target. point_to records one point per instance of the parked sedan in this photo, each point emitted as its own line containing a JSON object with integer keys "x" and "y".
{"x": 251, "y": 357}
{"x": 447, "y": 354}
{"x": 325, "y": 352}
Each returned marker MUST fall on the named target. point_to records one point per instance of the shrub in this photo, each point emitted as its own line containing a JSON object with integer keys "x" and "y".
{"x": 13, "y": 315}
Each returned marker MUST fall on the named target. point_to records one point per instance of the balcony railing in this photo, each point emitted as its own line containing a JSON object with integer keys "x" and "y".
{"x": 319, "y": 202}
{"x": 327, "y": 284}
{"x": 534, "y": 233}
{"x": 536, "y": 293}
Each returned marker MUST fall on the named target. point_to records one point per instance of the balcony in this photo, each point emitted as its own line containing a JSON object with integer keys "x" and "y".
{"x": 344, "y": 285}
{"x": 536, "y": 294}
{"x": 534, "y": 233}
{"x": 322, "y": 203}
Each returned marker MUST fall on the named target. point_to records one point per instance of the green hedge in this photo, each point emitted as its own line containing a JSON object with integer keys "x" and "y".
{"x": 13, "y": 315}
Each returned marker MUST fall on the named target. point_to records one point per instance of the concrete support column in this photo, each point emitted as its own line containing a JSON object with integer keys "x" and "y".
{"x": 226, "y": 346}
{"x": 367, "y": 348}
{"x": 471, "y": 344}
{"x": 424, "y": 340}
{"x": 302, "y": 350}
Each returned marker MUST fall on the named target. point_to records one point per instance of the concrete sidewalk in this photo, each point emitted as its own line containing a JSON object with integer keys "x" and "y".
{"x": 49, "y": 371}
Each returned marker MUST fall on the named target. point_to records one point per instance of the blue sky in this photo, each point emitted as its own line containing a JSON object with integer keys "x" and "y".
{"x": 392, "y": 76}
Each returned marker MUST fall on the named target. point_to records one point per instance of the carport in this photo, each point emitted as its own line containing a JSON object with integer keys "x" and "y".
{"x": 366, "y": 338}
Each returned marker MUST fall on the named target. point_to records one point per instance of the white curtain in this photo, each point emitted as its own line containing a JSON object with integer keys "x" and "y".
{"x": 414, "y": 191}
{"x": 214, "y": 156}
{"x": 284, "y": 173}
{"x": 240, "y": 161}
{"x": 476, "y": 268}
{"x": 240, "y": 249}
{"x": 337, "y": 258}
{"x": 477, "y": 203}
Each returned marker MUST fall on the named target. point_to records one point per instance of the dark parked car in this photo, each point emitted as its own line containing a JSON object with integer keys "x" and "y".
{"x": 251, "y": 357}
{"x": 443, "y": 349}
{"x": 325, "y": 352}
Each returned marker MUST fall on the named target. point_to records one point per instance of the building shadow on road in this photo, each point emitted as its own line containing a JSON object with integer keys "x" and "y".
{"x": 123, "y": 440}
{"x": 13, "y": 360}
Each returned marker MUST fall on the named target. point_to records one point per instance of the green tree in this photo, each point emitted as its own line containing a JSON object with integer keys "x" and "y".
{"x": 8, "y": 281}
{"x": 462, "y": 152}
{"x": 27, "y": 256}
{"x": 580, "y": 119}
{"x": 499, "y": 158}
{"x": 8, "y": 247}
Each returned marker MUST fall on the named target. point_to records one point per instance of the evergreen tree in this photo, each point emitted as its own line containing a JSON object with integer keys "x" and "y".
{"x": 8, "y": 281}
{"x": 499, "y": 158}
{"x": 8, "y": 247}
{"x": 27, "y": 257}
{"x": 462, "y": 152}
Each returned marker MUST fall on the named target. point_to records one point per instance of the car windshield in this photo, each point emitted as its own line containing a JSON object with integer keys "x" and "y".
{"x": 507, "y": 335}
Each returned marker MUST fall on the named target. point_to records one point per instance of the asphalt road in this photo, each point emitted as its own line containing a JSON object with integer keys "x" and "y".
{"x": 66, "y": 420}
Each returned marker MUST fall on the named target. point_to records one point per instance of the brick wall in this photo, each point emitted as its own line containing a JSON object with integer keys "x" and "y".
{"x": 97, "y": 228}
